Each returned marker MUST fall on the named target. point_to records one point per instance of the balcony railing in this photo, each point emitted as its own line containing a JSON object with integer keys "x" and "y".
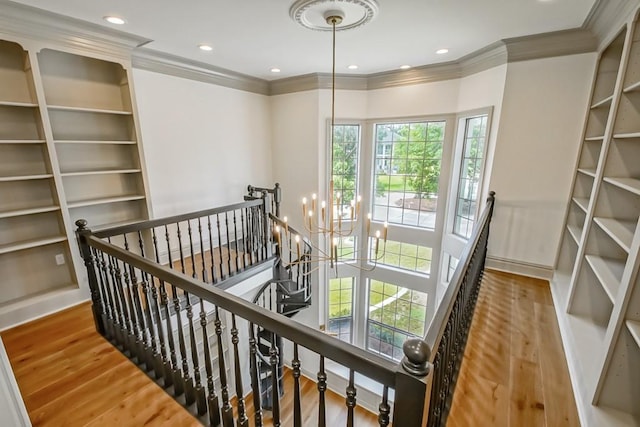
{"x": 158, "y": 292}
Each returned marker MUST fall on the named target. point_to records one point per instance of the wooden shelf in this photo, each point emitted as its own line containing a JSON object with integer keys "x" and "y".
{"x": 96, "y": 142}
{"x": 100, "y": 172}
{"x": 18, "y": 104}
{"x": 603, "y": 102}
{"x": 629, "y": 184}
{"x": 116, "y": 224}
{"x": 634, "y": 329}
{"x": 22, "y": 141}
{"x": 24, "y": 177}
{"x": 101, "y": 201}
{"x": 582, "y": 202}
{"x": 608, "y": 271}
{"x": 28, "y": 244}
{"x": 630, "y": 135}
{"x": 575, "y": 232}
{"x": 620, "y": 231}
{"x": 88, "y": 110}
{"x": 632, "y": 87}
{"x": 588, "y": 172}
{"x": 595, "y": 138}
{"x": 31, "y": 211}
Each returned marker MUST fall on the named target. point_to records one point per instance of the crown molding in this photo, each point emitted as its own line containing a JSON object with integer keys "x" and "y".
{"x": 546, "y": 45}
{"x": 160, "y": 62}
{"x": 315, "y": 81}
{"x": 607, "y": 17}
{"x": 35, "y": 25}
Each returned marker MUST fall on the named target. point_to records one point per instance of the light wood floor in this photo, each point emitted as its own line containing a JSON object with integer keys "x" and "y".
{"x": 514, "y": 371}
{"x": 70, "y": 376}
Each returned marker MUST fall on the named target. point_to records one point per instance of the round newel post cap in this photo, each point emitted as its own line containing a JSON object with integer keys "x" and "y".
{"x": 416, "y": 356}
{"x": 82, "y": 224}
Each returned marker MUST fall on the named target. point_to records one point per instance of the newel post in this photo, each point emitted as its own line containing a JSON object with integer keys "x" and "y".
{"x": 413, "y": 385}
{"x": 277, "y": 198}
{"x": 87, "y": 256}
{"x": 266, "y": 210}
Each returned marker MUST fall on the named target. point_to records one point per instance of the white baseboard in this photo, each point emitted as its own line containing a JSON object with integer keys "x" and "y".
{"x": 519, "y": 267}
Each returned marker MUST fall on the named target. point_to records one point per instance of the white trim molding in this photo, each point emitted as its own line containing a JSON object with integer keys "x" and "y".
{"x": 12, "y": 409}
{"x": 520, "y": 267}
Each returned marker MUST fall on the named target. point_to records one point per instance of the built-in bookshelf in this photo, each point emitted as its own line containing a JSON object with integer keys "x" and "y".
{"x": 89, "y": 107}
{"x": 596, "y": 282}
{"x": 69, "y": 149}
{"x": 34, "y": 250}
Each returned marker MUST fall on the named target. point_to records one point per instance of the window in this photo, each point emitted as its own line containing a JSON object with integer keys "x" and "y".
{"x": 475, "y": 129}
{"x": 407, "y": 165}
{"x": 452, "y": 263}
{"x": 346, "y": 142}
{"x": 395, "y": 313}
{"x": 402, "y": 255}
{"x": 341, "y": 307}
{"x": 347, "y": 248}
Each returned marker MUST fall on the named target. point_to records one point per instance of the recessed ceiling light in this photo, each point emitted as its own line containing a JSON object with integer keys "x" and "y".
{"x": 405, "y": 67}
{"x": 114, "y": 20}
{"x": 442, "y": 51}
{"x": 353, "y": 67}
{"x": 205, "y": 47}
{"x": 275, "y": 70}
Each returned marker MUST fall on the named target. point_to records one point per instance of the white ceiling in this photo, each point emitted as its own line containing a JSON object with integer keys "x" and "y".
{"x": 252, "y": 36}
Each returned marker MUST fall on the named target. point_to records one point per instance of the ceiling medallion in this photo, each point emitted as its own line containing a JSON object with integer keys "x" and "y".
{"x": 312, "y": 13}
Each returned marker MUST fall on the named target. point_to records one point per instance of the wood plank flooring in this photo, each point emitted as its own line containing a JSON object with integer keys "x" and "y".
{"x": 514, "y": 370}
{"x": 513, "y": 373}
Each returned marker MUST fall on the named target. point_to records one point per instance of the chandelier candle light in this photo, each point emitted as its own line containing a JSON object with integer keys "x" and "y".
{"x": 324, "y": 224}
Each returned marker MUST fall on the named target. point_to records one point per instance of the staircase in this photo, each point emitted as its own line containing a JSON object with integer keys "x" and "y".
{"x": 287, "y": 293}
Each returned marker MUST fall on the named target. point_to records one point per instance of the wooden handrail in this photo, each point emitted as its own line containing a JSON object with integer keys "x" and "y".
{"x": 438, "y": 323}
{"x": 144, "y": 225}
{"x": 369, "y": 364}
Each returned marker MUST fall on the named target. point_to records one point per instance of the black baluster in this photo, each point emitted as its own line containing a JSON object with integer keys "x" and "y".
{"x": 194, "y": 270}
{"x": 189, "y": 392}
{"x": 200, "y": 397}
{"x": 178, "y": 380}
{"x": 211, "y": 252}
{"x": 226, "y": 226}
{"x": 384, "y": 410}
{"x": 131, "y": 295}
{"x": 351, "y": 399}
{"x": 121, "y": 323}
{"x": 244, "y": 239}
{"x": 322, "y": 387}
{"x": 227, "y": 410}
{"x": 136, "y": 293}
{"x": 182, "y": 262}
{"x": 275, "y": 393}
{"x": 107, "y": 304}
{"x": 162, "y": 363}
{"x": 222, "y": 275}
{"x": 212, "y": 398}
{"x": 255, "y": 381}
{"x": 243, "y": 421}
{"x": 297, "y": 410}
{"x": 202, "y": 252}
{"x": 235, "y": 239}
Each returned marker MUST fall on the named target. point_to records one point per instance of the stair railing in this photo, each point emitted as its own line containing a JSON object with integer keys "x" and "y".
{"x": 165, "y": 317}
{"x": 449, "y": 328}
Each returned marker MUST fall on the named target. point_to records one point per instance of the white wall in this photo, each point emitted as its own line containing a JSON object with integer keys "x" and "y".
{"x": 203, "y": 143}
{"x": 539, "y": 136}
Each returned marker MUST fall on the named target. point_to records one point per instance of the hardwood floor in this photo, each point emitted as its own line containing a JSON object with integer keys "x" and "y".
{"x": 514, "y": 371}
{"x": 70, "y": 376}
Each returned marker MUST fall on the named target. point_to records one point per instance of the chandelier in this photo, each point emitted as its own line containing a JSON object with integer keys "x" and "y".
{"x": 327, "y": 223}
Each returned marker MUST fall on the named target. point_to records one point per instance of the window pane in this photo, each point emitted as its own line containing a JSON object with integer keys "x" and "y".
{"x": 402, "y": 255}
{"x": 471, "y": 166}
{"x": 401, "y": 314}
{"x": 341, "y": 308}
{"x": 408, "y": 159}
{"x": 345, "y": 166}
